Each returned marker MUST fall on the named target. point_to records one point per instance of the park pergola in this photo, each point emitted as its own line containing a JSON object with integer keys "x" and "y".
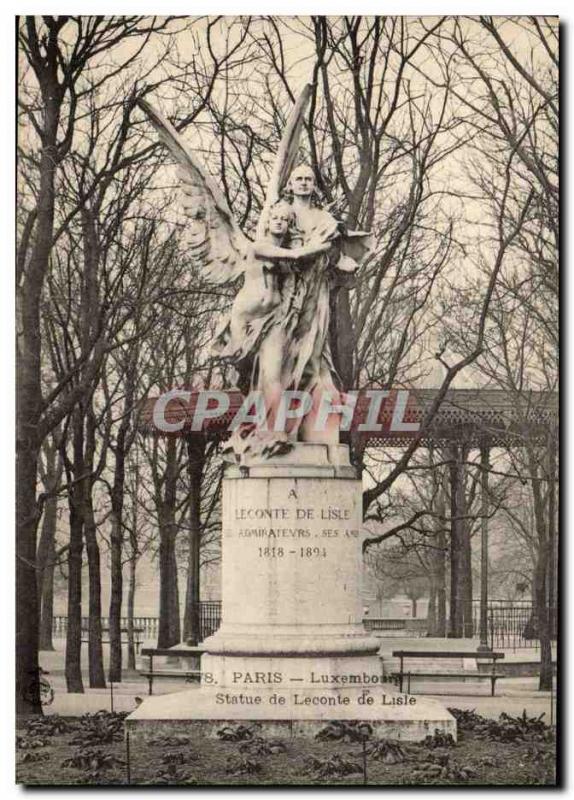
{"x": 466, "y": 420}
{"x": 475, "y": 419}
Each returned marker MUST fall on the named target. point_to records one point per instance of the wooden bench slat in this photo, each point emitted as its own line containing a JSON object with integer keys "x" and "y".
{"x": 450, "y": 654}
{"x": 181, "y": 652}
{"x": 489, "y": 656}
{"x": 171, "y": 673}
{"x": 450, "y": 674}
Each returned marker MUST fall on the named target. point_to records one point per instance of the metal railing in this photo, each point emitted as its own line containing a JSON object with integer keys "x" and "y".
{"x": 209, "y": 617}
{"x": 511, "y": 625}
{"x": 209, "y": 622}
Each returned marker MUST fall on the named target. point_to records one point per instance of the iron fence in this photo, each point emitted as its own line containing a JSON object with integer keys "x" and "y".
{"x": 209, "y": 622}
{"x": 209, "y": 617}
{"x": 511, "y": 625}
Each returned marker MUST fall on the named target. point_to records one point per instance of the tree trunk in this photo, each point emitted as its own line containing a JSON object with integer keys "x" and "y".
{"x": 484, "y": 509}
{"x": 116, "y": 548}
{"x": 439, "y": 561}
{"x": 464, "y": 571}
{"x": 27, "y": 686}
{"x": 169, "y": 628}
{"x": 541, "y": 615}
{"x": 29, "y": 396}
{"x": 552, "y": 593}
{"x": 431, "y": 613}
{"x": 47, "y": 600}
{"x": 28, "y": 415}
{"x": 466, "y": 581}
{"x": 121, "y": 450}
{"x": 169, "y": 632}
{"x": 95, "y": 651}
{"x": 552, "y": 577}
{"x": 175, "y": 615}
{"x": 46, "y": 553}
{"x": 441, "y": 582}
{"x": 456, "y": 554}
{"x": 544, "y": 514}
{"x": 74, "y": 682}
{"x": 191, "y": 621}
{"x": 545, "y": 580}
{"x": 414, "y": 602}
{"x": 130, "y": 609}
{"x": 116, "y": 592}
{"x": 134, "y": 554}
{"x": 45, "y": 572}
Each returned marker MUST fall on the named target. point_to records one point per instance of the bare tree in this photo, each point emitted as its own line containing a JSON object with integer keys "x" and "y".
{"x": 56, "y": 52}
{"x": 518, "y": 109}
{"x": 51, "y": 469}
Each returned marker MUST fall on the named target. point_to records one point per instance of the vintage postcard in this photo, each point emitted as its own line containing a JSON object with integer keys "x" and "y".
{"x": 287, "y": 401}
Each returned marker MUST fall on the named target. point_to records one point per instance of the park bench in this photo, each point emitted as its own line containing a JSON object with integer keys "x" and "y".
{"x": 488, "y": 656}
{"x": 176, "y": 652}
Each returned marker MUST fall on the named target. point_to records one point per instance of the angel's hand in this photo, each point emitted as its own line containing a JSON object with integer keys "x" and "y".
{"x": 311, "y": 250}
{"x": 328, "y": 231}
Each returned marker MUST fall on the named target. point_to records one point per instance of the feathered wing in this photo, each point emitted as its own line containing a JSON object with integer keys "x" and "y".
{"x": 217, "y": 244}
{"x": 286, "y": 156}
{"x": 356, "y": 244}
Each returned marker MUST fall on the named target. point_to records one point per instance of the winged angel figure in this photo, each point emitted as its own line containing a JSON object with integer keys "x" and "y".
{"x": 276, "y": 334}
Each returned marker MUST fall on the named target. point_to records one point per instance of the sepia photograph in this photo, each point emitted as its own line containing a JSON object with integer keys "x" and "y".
{"x": 287, "y": 401}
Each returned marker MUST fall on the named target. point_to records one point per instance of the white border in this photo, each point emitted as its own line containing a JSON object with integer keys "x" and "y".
{"x": 7, "y": 318}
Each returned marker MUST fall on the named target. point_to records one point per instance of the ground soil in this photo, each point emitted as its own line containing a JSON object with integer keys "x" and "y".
{"x": 207, "y": 761}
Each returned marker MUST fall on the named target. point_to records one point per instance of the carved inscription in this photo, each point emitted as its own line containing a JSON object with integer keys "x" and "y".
{"x": 288, "y": 525}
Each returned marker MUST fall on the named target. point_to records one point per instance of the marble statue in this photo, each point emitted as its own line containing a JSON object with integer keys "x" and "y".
{"x": 277, "y": 332}
{"x": 291, "y": 653}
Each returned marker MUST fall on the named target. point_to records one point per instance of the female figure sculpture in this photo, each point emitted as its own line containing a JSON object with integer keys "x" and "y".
{"x": 264, "y": 317}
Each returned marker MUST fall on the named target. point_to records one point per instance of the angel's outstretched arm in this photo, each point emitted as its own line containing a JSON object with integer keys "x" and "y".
{"x": 265, "y": 250}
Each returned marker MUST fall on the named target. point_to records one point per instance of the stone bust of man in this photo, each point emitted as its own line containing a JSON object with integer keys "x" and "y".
{"x": 311, "y": 220}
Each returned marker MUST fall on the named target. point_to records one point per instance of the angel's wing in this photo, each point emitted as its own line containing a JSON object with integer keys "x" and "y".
{"x": 217, "y": 243}
{"x": 286, "y": 155}
{"x": 356, "y": 244}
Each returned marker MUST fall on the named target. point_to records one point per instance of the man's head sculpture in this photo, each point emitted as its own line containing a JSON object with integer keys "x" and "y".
{"x": 302, "y": 183}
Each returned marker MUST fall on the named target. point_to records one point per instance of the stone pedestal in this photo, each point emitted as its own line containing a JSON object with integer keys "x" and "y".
{"x": 291, "y": 571}
{"x": 291, "y": 649}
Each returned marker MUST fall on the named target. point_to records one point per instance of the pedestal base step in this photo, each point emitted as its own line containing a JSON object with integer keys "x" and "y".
{"x": 290, "y": 712}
